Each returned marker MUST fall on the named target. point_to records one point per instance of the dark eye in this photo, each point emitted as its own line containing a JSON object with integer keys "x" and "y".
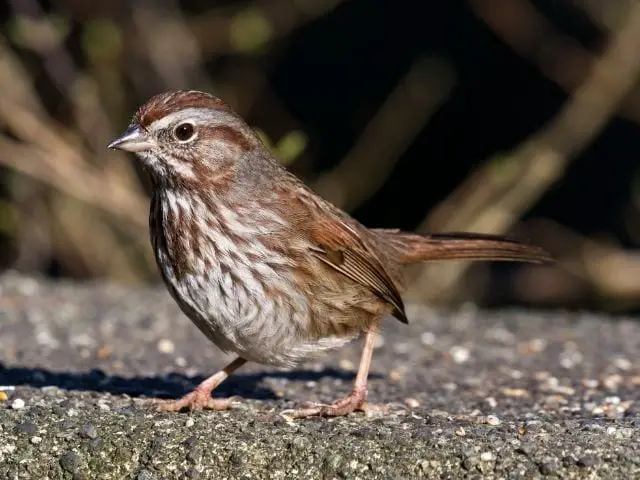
{"x": 184, "y": 131}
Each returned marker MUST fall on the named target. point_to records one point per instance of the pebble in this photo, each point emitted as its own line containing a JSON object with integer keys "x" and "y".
{"x": 379, "y": 341}
{"x": 461, "y": 432}
{"x": 17, "y": 404}
{"x": 612, "y": 382}
{"x": 493, "y": 420}
{"x": 535, "y": 345}
{"x": 27, "y": 427}
{"x": 590, "y": 383}
{"x": 70, "y": 462}
{"x": 548, "y": 466}
{"x": 412, "y": 403}
{"x": 144, "y": 475}
{"x": 190, "y": 422}
{"x": 428, "y": 338}
{"x": 622, "y": 363}
{"x": 180, "y": 362}
{"x": 88, "y": 431}
{"x": 166, "y": 346}
{"x": 459, "y": 354}
{"x": 3, "y": 396}
{"x": 486, "y": 456}
{"x": 515, "y": 392}
{"x": 36, "y": 440}
{"x": 491, "y": 402}
{"x": 346, "y": 364}
{"x": 588, "y": 461}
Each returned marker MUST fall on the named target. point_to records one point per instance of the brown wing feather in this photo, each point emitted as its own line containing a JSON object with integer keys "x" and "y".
{"x": 340, "y": 247}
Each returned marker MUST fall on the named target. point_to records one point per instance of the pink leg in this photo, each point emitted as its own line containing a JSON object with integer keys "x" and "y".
{"x": 356, "y": 399}
{"x": 200, "y": 397}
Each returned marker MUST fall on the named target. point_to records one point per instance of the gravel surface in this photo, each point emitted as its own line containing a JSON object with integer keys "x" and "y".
{"x": 474, "y": 394}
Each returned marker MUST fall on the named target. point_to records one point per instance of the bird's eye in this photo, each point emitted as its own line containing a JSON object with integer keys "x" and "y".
{"x": 184, "y": 131}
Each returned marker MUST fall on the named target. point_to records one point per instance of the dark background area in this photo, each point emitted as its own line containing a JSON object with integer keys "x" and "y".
{"x": 312, "y": 75}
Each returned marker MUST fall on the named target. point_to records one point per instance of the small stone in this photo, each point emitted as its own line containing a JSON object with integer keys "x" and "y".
{"x": 411, "y": 402}
{"x": 622, "y": 363}
{"x": 298, "y": 443}
{"x": 36, "y": 440}
{"x": 587, "y": 461}
{"x": 590, "y": 383}
{"x": 27, "y": 427}
{"x": 3, "y": 396}
{"x": 491, "y": 402}
{"x": 235, "y": 459}
{"x": 88, "y": 431}
{"x": 612, "y": 382}
{"x": 332, "y": 462}
{"x": 459, "y": 354}
{"x": 346, "y": 364}
{"x": 180, "y": 362}
{"x": 104, "y": 352}
{"x": 533, "y": 346}
{"x": 144, "y": 475}
{"x": 395, "y": 375}
{"x": 460, "y": 432}
{"x": 192, "y": 473}
{"x": 190, "y": 422}
{"x": 428, "y": 338}
{"x": 379, "y": 341}
{"x": 515, "y": 392}
{"x": 486, "y": 456}
{"x": 70, "y": 462}
{"x": 165, "y": 346}
{"x": 548, "y": 466}
{"x": 469, "y": 462}
{"x": 493, "y": 420}
{"x": 17, "y": 404}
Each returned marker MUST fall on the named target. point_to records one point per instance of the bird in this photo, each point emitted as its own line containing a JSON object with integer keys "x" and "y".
{"x": 266, "y": 268}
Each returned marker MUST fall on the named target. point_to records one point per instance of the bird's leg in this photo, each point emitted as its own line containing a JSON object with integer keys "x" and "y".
{"x": 358, "y": 396}
{"x": 200, "y": 397}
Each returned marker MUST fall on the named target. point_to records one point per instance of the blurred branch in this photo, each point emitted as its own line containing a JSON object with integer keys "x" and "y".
{"x": 496, "y": 195}
{"x": 50, "y": 158}
{"x": 405, "y": 112}
{"x": 609, "y": 14}
{"x": 171, "y": 47}
{"x": 250, "y": 28}
{"x": 559, "y": 57}
{"x": 596, "y": 269}
{"x": 38, "y": 33}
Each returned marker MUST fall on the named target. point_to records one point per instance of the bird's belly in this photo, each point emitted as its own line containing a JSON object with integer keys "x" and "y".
{"x": 255, "y": 321}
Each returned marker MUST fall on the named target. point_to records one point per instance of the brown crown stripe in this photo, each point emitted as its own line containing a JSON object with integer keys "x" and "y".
{"x": 165, "y": 103}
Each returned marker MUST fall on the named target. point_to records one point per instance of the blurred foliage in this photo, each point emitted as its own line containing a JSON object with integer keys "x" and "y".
{"x": 482, "y": 115}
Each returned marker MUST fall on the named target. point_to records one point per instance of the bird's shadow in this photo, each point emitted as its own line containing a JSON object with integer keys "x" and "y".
{"x": 171, "y": 385}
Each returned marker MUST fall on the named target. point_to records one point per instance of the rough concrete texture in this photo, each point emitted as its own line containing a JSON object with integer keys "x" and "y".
{"x": 507, "y": 394}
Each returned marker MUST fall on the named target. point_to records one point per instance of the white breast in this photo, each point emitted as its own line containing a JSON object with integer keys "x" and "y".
{"x": 232, "y": 301}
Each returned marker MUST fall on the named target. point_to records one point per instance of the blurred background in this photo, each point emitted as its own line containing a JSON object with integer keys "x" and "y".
{"x": 514, "y": 116}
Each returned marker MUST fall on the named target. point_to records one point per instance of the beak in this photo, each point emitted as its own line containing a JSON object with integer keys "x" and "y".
{"x": 134, "y": 139}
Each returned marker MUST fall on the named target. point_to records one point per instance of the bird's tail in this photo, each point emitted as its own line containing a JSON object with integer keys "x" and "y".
{"x": 412, "y": 248}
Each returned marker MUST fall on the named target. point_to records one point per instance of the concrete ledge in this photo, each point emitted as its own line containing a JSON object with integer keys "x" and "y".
{"x": 509, "y": 394}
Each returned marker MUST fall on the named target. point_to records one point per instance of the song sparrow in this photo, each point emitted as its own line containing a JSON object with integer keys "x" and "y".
{"x": 263, "y": 266}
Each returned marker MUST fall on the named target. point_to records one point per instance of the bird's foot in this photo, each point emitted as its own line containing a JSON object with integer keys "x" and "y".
{"x": 194, "y": 401}
{"x": 355, "y": 401}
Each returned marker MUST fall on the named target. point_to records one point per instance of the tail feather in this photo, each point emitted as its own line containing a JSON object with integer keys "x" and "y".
{"x": 413, "y": 247}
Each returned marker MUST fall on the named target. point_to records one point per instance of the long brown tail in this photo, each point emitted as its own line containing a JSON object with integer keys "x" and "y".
{"x": 413, "y": 247}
